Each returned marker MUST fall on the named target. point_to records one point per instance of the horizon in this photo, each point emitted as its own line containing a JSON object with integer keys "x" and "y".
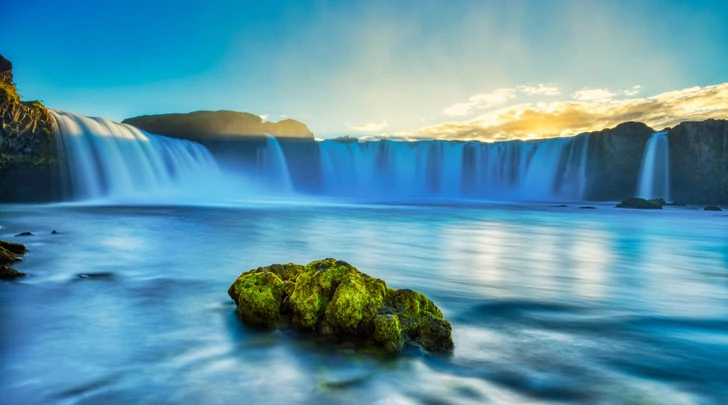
{"x": 485, "y": 71}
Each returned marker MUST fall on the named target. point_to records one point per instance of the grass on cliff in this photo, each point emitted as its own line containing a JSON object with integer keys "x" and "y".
{"x": 8, "y": 94}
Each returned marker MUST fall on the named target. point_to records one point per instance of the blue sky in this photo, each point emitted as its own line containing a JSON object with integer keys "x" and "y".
{"x": 357, "y": 67}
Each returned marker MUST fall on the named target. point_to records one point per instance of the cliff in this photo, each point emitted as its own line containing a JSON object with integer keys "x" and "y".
{"x": 699, "y": 161}
{"x": 216, "y": 125}
{"x": 614, "y": 160}
{"x": 28, "y": 155}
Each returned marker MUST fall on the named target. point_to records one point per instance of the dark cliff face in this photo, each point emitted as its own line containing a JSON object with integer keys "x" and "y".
{"x": 217, "y": 125}
{"x": 699, "y": 161}
{"x": 614, "y": 161}
{"x": 29, "y": 163}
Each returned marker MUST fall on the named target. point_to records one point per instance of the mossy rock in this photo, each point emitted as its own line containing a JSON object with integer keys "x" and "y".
{"x": 17, "y": 248}
{"x": 8, "y": 255}
{"x": 332, "y": 297}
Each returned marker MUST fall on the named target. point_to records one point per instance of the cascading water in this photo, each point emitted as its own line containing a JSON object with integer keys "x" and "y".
{"x": 273, "y": 167}
{"x": 654, "y": 180}
{"x": 114, "y": 161}
{"x": 544, "y": 170}
{"x": 108, "y": 160}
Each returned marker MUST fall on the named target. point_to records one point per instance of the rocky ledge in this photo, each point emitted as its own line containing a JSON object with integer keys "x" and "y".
{"x": 28, "y": 156}
{"x": 203, "y": 126}
{"x": 331, "y": 297}
{"x": 9, "y": 253}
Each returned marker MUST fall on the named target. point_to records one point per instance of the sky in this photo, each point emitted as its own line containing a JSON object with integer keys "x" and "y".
{"x": 458, "y": 69}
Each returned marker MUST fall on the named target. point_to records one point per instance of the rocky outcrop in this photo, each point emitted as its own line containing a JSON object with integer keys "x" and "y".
{"x": 29, "y": 164}
{"x": 330, "y": 297}
{"x": 214, "y": 125}
{"x": 614, "y": 160}
{"x": 699, "y": 161}
{"x": 9, "y": 253}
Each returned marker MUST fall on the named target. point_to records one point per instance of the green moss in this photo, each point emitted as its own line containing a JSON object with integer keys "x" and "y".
{"x": 17, "y": 248}
{"x": 332, "y": 297}
{"x": 6, "y": 256}
{"x": 259, "y": 296}
{"x": 388, "y": 333}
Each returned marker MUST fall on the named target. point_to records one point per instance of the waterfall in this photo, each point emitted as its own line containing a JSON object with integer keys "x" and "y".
{"x": 548, "y": 169}
{"x": 118, "y": 162}
{"x": 654, "y": 180}
{"x": 107, "y": 160}
{"x": 273, "y": 167}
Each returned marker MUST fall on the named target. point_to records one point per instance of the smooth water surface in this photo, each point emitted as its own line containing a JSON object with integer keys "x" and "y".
{"x": 548, "y": 305}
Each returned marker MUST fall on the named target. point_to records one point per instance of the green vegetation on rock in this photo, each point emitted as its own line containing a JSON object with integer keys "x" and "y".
{"x": 8, "y": 255}
{"x": 332, "y": 297}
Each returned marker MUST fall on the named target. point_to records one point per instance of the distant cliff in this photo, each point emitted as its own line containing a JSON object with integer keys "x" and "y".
{"x": 215, "y": 125}
{"x": 699, "y": 161}
{"x": 614, "y": 160}
{"x": 28, "y": 157}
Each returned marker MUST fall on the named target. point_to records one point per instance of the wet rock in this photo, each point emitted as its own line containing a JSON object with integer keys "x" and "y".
{"x": 587, "y": 207}
{"x": 8, "y": 252}
{"x": 560, "y": 206}
{"x": 331, "y": 297}
{"x": 54, "y": 232}
{"x": 24, "y": 234}
{"x": 641, "y": 203}
{"x": 712, "y": 208}
{"x": 9, "y": 273}
{"x": 17, "y": 248}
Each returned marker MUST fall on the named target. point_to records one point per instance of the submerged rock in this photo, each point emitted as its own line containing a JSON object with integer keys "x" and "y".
{"x": 712, "y": 208}
{"x": 8, "y": 252}
{"x": 641, "y": 203}
{"x": 332, "y": 297}
{"x": 25, "y": 234}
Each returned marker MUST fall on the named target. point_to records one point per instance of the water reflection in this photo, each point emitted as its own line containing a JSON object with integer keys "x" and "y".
{"x": 546, "y": 307}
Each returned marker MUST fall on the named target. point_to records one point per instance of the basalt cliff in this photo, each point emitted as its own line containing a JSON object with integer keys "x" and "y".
{"x": 29, "y": 158}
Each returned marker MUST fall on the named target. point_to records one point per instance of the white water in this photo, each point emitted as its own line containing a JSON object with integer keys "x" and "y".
{"x": 654, "y": 180}
{"x": 273, "y": 166}
{"x": 108, "y": 160}
{"x": 544, "y": 170}
{"x": 114, "y": 161}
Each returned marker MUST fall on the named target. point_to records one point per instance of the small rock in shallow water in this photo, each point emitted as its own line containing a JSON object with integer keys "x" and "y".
{"x": 24, "y": 234}
{"x": 587, "y": 207}
{"x": 641, "y": 203}
{"x": 8, "y": 273}
{"x": 712, "y": 208}
{"x": 55, "y": 232}
{"x": 560, "y": 206}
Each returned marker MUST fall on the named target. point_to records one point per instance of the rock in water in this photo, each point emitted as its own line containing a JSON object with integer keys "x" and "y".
{"x": 712, "y": 208}
{"x": 8, "y": 252}
{"x": 332, "y": 297}
{"x": 641, "y": 203}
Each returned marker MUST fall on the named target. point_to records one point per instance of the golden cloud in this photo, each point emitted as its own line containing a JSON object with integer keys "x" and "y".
{"x": 368, "y": 127}
{"x": 567, "y": 118}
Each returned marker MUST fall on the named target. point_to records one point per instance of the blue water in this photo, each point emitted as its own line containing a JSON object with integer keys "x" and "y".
{"x": 548, "y": 305}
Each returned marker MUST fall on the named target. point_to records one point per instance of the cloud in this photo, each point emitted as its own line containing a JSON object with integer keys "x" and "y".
{"x": 481, "y": 101}
{"x": 264, "y": 117}
{"x": 543, "y": 90}
{"x": 368, "y": 127}
{"x": 589, "y": 112}
{"x": 593, "y": 95}
{"x": 633, "y": 91}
